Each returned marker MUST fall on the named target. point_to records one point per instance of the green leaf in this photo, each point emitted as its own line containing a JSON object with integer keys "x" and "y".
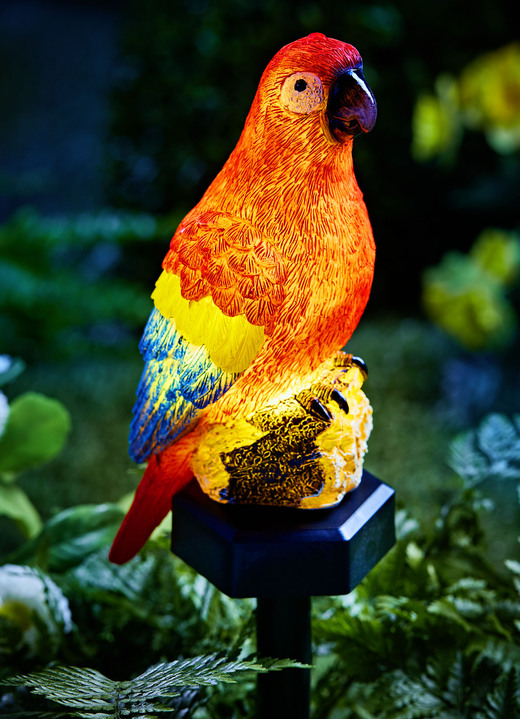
{"x": 16, "y": 505}
{"x": 72, "y": 535}
{"x": 130, "y": 580}
{"x": 36, "y": 431}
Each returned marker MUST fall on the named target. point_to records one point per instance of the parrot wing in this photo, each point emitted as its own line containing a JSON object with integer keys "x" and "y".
{"x": 179, "y": 379}
{"x": 221, "y": 286}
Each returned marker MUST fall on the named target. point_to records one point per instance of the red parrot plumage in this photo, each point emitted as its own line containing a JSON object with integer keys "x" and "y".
{"x": 265, "y": 278}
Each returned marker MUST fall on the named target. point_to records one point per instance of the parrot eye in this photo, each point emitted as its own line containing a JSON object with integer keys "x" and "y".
{"x": 302, "y": 92}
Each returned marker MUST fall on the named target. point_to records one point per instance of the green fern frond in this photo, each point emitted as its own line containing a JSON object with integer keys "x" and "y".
{"x": 503, "y": 653}
{"x": 91, "y": 695}
{"x": 504, "y": 700}
{"x": 410, "y": 698}
{"x": 83, "y": 689}
{"x": 499, "y": 440}
{"x": 465, "y": 459}
{"x": 492, "y": 450}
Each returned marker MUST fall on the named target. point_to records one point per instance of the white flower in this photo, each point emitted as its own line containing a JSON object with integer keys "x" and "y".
{"x": 35, "y": 604}
{"x": 4, "y": 411}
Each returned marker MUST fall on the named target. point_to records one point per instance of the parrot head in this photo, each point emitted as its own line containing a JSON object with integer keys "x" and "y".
{"x": 314, "y": 92}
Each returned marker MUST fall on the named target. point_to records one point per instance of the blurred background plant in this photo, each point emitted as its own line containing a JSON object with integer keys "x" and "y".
{"x": 115, "y": 117}
{"x": 63, "y": 287}
{"x": 466, "y": 293}
{"x": 467, "y": 296}
{"x": 485, "y": 97}
{"x": 33, "y": 430}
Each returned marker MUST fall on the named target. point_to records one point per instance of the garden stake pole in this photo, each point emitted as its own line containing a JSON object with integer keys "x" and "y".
{"x": 283, "y": 629}
{"x": 283, "y": 557}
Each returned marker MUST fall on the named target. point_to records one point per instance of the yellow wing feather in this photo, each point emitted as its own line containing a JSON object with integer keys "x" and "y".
{"x": 231, "y": 342}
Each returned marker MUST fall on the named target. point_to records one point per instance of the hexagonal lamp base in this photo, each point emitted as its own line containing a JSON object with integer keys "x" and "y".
{"x": 284, "y": 557}
{"x": 248, "y": 551}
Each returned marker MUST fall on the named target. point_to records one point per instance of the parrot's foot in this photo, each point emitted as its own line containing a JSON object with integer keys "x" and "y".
{"x": 306, "y": 451}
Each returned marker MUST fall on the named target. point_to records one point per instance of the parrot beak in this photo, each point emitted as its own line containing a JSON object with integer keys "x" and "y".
{"x": 351, "y": 107}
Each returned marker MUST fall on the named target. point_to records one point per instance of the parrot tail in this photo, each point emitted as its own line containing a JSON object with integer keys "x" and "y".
{"x": 166, "y": 474}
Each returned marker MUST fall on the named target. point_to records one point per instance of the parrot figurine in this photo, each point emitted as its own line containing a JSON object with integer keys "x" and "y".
{"x": 244, "y": 386}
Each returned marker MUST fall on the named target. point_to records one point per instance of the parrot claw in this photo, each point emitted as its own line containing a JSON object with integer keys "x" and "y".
{"x": 320, "y": 410}
{"x": 346, "y": 361}
{"x": 318, "y": 396}
{"x": 310, "y": 400}
{"x": 361, "y": 364}
{"x": 340, "y": 399}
